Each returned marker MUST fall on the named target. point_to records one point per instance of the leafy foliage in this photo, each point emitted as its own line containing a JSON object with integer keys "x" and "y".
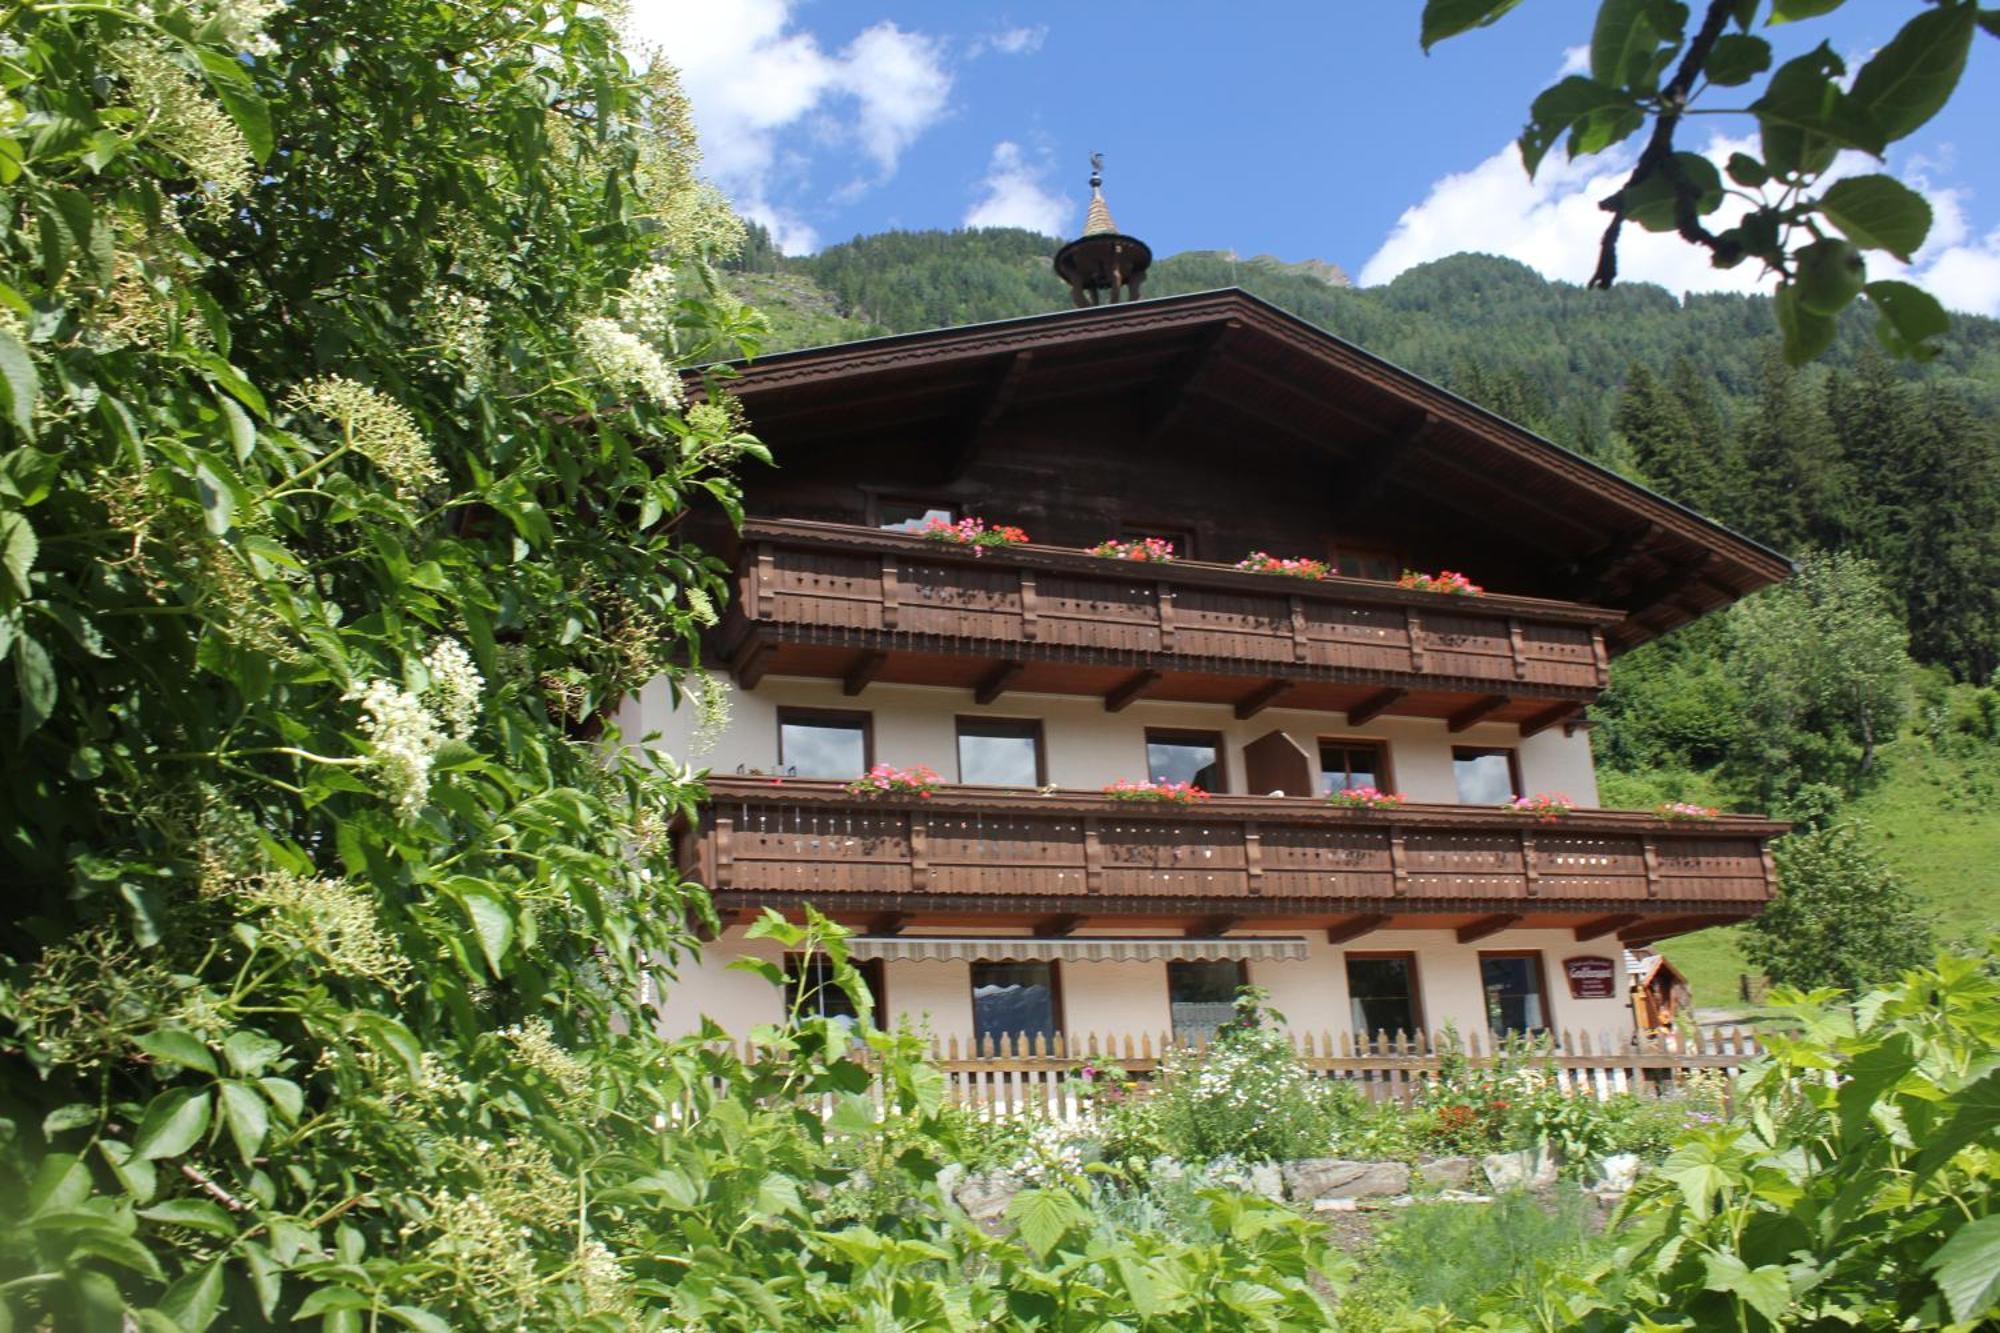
{"x": 1841, "y": 918}
{"x": 1811, "y": 108}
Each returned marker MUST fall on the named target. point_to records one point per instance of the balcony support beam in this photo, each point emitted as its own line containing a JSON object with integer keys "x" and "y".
{"x": 866, "y": 667}
{"x": 1547, "y": 718}
{"x": 1134, "y": 687}
{"x": 1477, "y": 711}
{"x": 1055, "y": 927}
{"x": 1602, "y": 568}
{"x": 1261, "y": 698}
{"x": 992, "y": 405}
{"x": 1354, "y": 927}
{"x": 753, "y": 659}
{"x": 887, "y": 923}
{"x": 1374, "y": 706}
{"x": 1486, "y": 925}
{"x": 996, "y": 681}
{"x": 1659, "y": 927}
{"x": 1210, "y": 927}
{"x": 1605, "y": 925}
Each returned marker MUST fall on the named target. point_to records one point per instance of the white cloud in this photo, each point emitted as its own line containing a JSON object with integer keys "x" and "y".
{"x": 1576, "y": 60}
{"x": 1553, "y": 224}
{"x": 1015, "y": 193}
{"x": 1009, "y": 42}
{"x": 763, "y": 91}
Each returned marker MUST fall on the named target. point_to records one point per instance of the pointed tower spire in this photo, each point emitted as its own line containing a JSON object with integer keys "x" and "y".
{"x": 1102, "y": 260}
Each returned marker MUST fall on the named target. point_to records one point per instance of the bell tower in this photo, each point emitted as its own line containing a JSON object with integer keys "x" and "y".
{"x": 1103, "y": 263}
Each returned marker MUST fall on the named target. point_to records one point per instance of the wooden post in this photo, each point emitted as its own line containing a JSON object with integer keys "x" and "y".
{"x": 920, "y": 851}
{"x": 1093, "y": 857}
{"x": 1650, "y": 849}
{"x": 1163, "y": 601}
{"x": 1531, "y": 873}
{"x": 1253, "y": 857}
{"x": 892, "y": 599}
{"x": 1399, "y": 866}
{"x": 725, "y": 851}
{"x": 760, "y": 583}
{"x": 1301, "y": 646}
{"x": 1518, "y": 646}
{"x": 1413, "y": 622}
{"x": 1030, "y": 607}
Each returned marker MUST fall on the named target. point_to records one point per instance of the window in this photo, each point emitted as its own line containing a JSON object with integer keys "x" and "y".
{"x": 809, "y": 978}
{"x": 1365, "y": 565}
{"x": 1000, "y": 751}
{"x": 1345, "y": 764}
{"x": 1514, "y": 992}
{"x": 1182, "y": 539}
{"x": 1202, "y": 996}
{"x": 1485, "y": 777}
{"x": 1382, "y": 993}
{"x": 910, "y": 515}
{"x": 819, "y": 743}
{"x": 1186, "y": 756}
{"x": 1014, "y": 1001}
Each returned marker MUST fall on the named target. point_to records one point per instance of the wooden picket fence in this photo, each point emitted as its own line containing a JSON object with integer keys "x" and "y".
{"x": 1043, "y": 1076}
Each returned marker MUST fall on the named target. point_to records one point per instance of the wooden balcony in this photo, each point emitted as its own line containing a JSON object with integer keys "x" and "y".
{"x": 968, "y": 855}
{"x": 861, "y": 606}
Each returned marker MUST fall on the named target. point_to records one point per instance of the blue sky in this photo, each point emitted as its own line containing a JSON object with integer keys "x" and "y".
{"x": 1304, "y": 130}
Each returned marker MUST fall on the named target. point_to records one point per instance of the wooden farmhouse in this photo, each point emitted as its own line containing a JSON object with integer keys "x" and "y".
{"x": 1018, "y": 899}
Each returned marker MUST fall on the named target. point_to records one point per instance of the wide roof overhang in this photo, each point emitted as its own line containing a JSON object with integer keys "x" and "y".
{"x": 1227, "y": 358}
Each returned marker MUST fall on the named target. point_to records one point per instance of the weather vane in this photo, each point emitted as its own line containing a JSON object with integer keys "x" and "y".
{"x": 1096, "y": 170}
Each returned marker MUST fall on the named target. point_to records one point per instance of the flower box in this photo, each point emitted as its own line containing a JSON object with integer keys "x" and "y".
{"x": 1164, "y": 793}
{"x": 1445, "y": 581}
{"x": 887, "y": 780}
{"x": 972, "y": 532}
{"x": 1545, "y": 806}
{"x": 1146, "y": 550}
{"x": 1365, "y": 798}
{"x": 1262, "y": 562}
{"x": 1683, "y": 812}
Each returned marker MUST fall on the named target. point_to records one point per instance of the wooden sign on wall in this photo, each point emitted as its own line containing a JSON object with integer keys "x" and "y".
{"x": 1591, "y": 977}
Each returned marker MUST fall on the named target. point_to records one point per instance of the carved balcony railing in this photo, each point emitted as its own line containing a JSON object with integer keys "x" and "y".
{"x": 826, "y": 598}
{"x": 762, "y": 841}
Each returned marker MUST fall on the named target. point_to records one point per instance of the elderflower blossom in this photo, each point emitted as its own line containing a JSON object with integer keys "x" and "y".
{"x": 458, "y": 321}
{"x": 404, "y": 740}
{"x": 649, "y": 304}
{"x": 623, "y": 359}
{"x": 455, "y": 686}
{"x": 175, "y": 113}
{"x": 700, "y": 606}
{"x": 1053, "y": 1155}
{"x": 377, "y": 427}
{"x": 535, "y": 1046}
{"x": 331, "y": 918}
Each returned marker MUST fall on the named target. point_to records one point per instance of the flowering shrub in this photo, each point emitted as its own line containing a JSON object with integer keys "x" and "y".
{"x": 972, "y": 532}
{"x": 1056, "y": 1153}
{"x": 1365, "y": 798}
{"x": 1444, "y": 581}
{"x": 1102, "y": 1081}
{"x": 1682, "y": 810}
{"x": 1147, "y": 550}
{"x": 1547, "y": 806}
{"x": 1261, "y": 562}
{"x": 1169, "y": 793}
{"x": 887, "y": 780}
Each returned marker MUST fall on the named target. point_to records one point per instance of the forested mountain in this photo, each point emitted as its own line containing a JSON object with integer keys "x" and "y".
{"x": 1866, "y": 689}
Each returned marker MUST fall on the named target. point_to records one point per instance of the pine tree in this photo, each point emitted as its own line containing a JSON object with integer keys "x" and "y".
{"x": 1872, "y": 415}
{"x": 1790, "y": 464}
{"x": 1946, "y": 569}
{"x": 1682, "y": 459}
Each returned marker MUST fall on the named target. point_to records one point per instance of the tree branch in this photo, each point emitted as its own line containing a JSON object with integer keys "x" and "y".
{"x": 1659, "y": 156}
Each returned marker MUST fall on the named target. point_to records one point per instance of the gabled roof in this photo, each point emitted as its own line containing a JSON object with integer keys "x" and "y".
{"x": 1212, "y": 355}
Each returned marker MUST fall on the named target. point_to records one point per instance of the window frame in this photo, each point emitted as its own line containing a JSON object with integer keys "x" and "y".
{"x": 878, "y": 499}
{"x": 1182, "y": 536}
{"x": 1242, "y": 980}
{"x": 1406, "y": 956}
{"x": 1336, "y": 550}
{"x": 1037, "y": 733}
{"x": 1058, "y": 1009}
{"x": 1541, "y": 980}
{"x": 1189, "y": 735}
{"x": 1385, "y": 770}
{"x": 788, "y": 716}
{"x": 1513, "y": 754}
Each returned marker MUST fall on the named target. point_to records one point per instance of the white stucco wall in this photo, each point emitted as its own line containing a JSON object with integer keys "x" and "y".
{"x": 1087, "y": 747}
{"x": 1116, "y": 999}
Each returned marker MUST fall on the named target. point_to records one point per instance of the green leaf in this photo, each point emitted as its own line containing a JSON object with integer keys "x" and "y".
{"x": 193, "y": 1301}
{"x": 1593, "y": 115}
{"x": 1791, "y": 11}
{"x": 1624, "y": 43}
{"x": 1906, "y": 82}
{"x": 248, "y": 1118}
{"x": 218, "y": 504}
{"x": 492, "y": 920}
{"x": 1764, "y": 1289}
{"x": 18, "y": 549}
{"x": 1806, "y": 119}
{"x": 1977, "y": 1114}
{"x": 250, "y": 1053}
{"x": 1747, "y": 171}
{"x": 195, "y": 1214}
{"x": 422, "y": 1320}
{"x": 285, "y": 1095}
{"x": 65, "y": 1118}
{"x": 1911, "y": 318}
{"x": 1043, "y": 1216}
{"x": 1806, "y": 334}
{"x": 19, "y": 384}
{"x": 118, "y": 1248}
{"x": 1448, "y": 18}
{"x": 35, "y": 677}
{"x": 331, "y": 1298}
{"x": 1967, "y": 1269}
{"x": 61, "y": 1183}
{"x": 242, "y": 431}
{"x": 777, "y": 1195}
{"x": 239, "y": 97}
{"x": 173, "y": 1123}
{"x": 1736, "y": 59}
{"x": 174, "y": 1046}
{"x": 1879, "y": 213}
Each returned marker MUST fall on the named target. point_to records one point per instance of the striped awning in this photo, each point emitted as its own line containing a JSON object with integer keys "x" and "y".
{"x": 1076, "y": 949}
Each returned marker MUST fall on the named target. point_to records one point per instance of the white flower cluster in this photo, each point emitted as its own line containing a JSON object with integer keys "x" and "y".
{"x": 625, "y": 360}
{"x": 700, "y": 606}
{"x": 237, "y": 24}
{"x": 458, "y": 320}
{"x": 404, "y": 739}
{"x": 648, "y": 306}
{"x": 710, "y": 696}
{"x": 176, "y": 113}
{"x": 455, "y": 687}
{"x": 377, "y": 427}
{"x": 1054, "y": 1153}
{"x": 330, "y": 918}
{"x": 535, "y": 1046}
